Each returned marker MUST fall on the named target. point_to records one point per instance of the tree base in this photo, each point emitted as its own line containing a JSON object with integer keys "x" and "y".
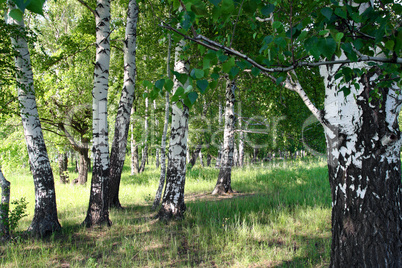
{"x": 43, "y": 227}
{"x": 221, "y": 190}
{"x": 169, "y": 211}
{"x": 89, "y": 223}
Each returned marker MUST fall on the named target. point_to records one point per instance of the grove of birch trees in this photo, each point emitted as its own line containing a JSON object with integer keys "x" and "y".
{"x": 227, "y": 82}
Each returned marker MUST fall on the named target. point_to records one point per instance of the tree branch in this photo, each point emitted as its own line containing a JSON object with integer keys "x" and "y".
{"x": 85, "y": 4}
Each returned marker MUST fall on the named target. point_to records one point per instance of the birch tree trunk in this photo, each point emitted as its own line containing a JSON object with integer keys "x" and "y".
{"x": 218, "y": 158}
{"x": 163, "y": 140}
{"x": 63, "y": 164}
{"x": 156, "y": 128}
{"x": 173, "y": 200}
{"x": 201, "y": 160}
{"x": 4, "y": 207}
{"x": 45, "y": 219}
{"x": 133, "y": 146}
{"x": 241, "y": 135}
{"x": 223, "y": 185}
{"x": 364, "y": 141}
{"x": 145, "y": 149}
{"x": 98, "y": 209}
{"x": 119, "y": 146}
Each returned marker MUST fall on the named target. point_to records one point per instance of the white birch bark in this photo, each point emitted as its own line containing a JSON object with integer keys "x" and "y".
{"x": 45, "y": 214}
{"x": 98, "y": 210}
{"x": 223, "y": 184}
{"x": 156, "y": 128}
{"x": 173, "y": 200}
{"x": 241, "y": 135}
{"x": 145, "y": 149}
{"x": 4, "y": 207}
{"x": 119, "y": 146}
{"x": 218, "y": 158}
{"x": 133, "y": 146}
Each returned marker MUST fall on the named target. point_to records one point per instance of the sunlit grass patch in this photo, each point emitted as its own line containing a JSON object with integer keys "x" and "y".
{"x": 279, "y": 216}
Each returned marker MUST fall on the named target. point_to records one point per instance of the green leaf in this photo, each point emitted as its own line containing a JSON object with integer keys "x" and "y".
{"x": 16, "y": 14}
{"x": 358, "y": 43}
{"x": 192, "y": 96}
{"x": 215, "y": 76}
{"x": 255, "y": 71}
{"x": 279, "y": 80}
{"x": 159, "y": 84}
{"x": 227, "y": 7}
{"x": 341, "y": 13}
{"x": 241, "y": 64}
{"x": 323, "y": 32}
{"x": 202, "y": 85}
{"x": 276, "y": 24}
{"x": 21, "y": 4}
{"x": 233, "y": 72}
{"x": 227, "y": 66}
{"x": 328, "y": 47}
{"x": 348, "y": 49}
{"x": 268, "y": 39}
{"x": 147, "y": 84}
{"x": 213, "y": 84}
{"x": 223, "y": 58}
{"x": 327, "y": 12}
{"x": 338, "y": 37}
{"x": 199, "y": 73}
{"x": 206, "y": 63}
{"x": 36, "y": 6}
{"x": 267, "y": 10}
{"x": 169, "y": 85}
{"x": 179, "y": 91}
{"x": 390, "y": 44}
{"x": 281, "y": 42}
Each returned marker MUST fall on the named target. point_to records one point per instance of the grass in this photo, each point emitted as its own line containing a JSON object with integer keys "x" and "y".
{"x": 279, "y": 217}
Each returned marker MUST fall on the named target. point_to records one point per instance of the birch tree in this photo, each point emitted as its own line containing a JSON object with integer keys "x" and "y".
{"x": 4, "y": 207}
{"x": 223, "y": 184}
{"x": 358, "y": 46}
{"x": 98, "y": 209}
{"x": 173, "y": 199}
{"x": 45, "y": 219}
{"x": 118, "y": 153}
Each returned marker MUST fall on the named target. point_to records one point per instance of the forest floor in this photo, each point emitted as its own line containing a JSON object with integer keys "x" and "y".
{"x": 279, "y": 216}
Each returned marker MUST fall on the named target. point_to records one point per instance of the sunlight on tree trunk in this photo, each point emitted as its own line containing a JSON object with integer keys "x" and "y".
{"x": 45, "y": 219}
{"x": 223, "y": 185}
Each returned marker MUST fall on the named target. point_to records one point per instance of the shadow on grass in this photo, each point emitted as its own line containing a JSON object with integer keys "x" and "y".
{"x": 275, "y": 220}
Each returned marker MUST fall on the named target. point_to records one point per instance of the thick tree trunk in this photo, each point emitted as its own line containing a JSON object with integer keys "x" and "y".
{"x": 145, "y": 149}
{"x": 84, "y": 166}
{"x": 98, "y": 209}
{"x": 223, "y": 185}
{"x": 119, "y": 146}
{"x": 45, "y": 219}
{"x": 364, "y": 142}
{"x": 4, "y": 207}
{"x": 173, "y": 200}
{"x": 63, "y": 164}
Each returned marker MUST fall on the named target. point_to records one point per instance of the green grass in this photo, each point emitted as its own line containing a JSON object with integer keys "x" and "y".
{"x": 278, "y": 217}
